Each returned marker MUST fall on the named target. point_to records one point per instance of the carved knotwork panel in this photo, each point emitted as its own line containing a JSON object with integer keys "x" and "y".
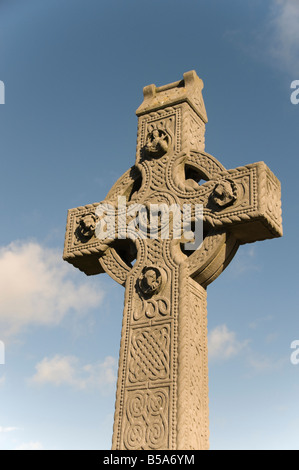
{"x": 157, "y": 171}
{"x": 205, "y": 164}
{"x": 146, "y": 421}
{"x": 273, "y": 198}
{"x": 193, "y": 419}
{"x": 198, "y": 370}
{"x": 197, "y": 133}
{"x": 209, "y": 249}
{"x": 193, "y": 130}
{"x": 124, "y": 185}
{"x": 113, "y": 265}
{"x": 149, "y": 354}
{"x": 154, "y": 251}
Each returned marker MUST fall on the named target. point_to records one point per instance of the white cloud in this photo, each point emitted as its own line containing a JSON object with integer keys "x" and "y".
{"x": 276, "y": 41}
{"x": 38, "y": 288}
{"x": 261, "y": 363}
{"x": 30, "y": 446}
{"x": 8, "y": 428}
{"x": 223, "y": 344}
{"x": 284, "y": 34}
{"x": 258, "y": 322}
{"x": 67, "y": 370}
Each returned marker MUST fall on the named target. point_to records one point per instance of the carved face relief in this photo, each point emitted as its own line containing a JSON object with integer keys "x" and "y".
{"x": 224, "y": 194}
{"x": 150, "y": 281}
{"x": 86, "y": 227}
{"x": 157, "y": 143}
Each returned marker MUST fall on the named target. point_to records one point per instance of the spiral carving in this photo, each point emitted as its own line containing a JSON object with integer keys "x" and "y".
{"x": 147, "y": 422}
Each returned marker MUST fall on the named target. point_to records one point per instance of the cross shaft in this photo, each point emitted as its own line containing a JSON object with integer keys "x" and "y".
{"x": 162, "y": 388}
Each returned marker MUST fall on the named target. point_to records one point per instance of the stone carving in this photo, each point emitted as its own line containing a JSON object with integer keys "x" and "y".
{"x": 150, "y": 281}
{"x": 146, "y": 420}
{"x": 115, "y": 266}
{"x": 162, "y": 386}
{"x": 149, "y": 354}
{"x": 168, "y": 124}
{"x": 86, "y": 227}
{"x": 156, "y": 143}
{"x": 193, "y": 423}
{"x": 153, "y": 308}
{"x": 224, "y": 194}
{"x": 197, "y": 133}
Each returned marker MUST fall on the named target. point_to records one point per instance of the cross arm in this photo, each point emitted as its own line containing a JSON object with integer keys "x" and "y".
{"x": 84, "y": 250}
{"x": 247, "y": 201}
{"x": 81, "y": 248}
{"x": 90, "y": 254}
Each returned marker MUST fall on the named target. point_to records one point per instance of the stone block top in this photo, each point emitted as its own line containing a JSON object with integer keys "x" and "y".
{"x": 187, "y": 90}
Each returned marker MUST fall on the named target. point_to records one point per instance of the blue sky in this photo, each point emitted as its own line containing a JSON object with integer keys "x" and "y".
{"x": 73, "y": 74}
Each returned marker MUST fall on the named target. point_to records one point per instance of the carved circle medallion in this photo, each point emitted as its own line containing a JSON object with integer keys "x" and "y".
{"x": 86, "y": 227}
{"x": 157, "y": 143}
{"x": 224, "y": 194}
{"x": 151, "y": 280}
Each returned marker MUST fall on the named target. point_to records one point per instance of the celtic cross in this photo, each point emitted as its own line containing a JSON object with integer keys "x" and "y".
{"x": 162, "y": 386}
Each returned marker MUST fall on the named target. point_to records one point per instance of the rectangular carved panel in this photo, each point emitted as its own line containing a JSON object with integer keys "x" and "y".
{"x": 146, "y": 423}
{"x": 149, "y": 354}
{"x": 192, "y": 411}
{"x": 168, "y": 120}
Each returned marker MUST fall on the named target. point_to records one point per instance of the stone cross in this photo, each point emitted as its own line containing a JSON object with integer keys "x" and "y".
{"x": 162, "y": 386}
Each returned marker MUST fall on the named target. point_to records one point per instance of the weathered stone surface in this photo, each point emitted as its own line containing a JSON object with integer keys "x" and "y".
{"x": 162, "y": 387}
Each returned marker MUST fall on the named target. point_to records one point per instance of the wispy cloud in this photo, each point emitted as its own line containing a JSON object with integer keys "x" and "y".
{"x": 30, "y": 446}
{"x": 260, "y": 363}
{"x": 246, "y": 261}
{"x": 223, "y": 343}
{"x": 275, "y": 41}
{"x": 38, "y": 288}
{"x": 2, "y": 380}
{"x": 68, "y": 370}
{"x": 284, "y": 33}
{"x": 7, "y": 429}
{"x": 260, "y": 321}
